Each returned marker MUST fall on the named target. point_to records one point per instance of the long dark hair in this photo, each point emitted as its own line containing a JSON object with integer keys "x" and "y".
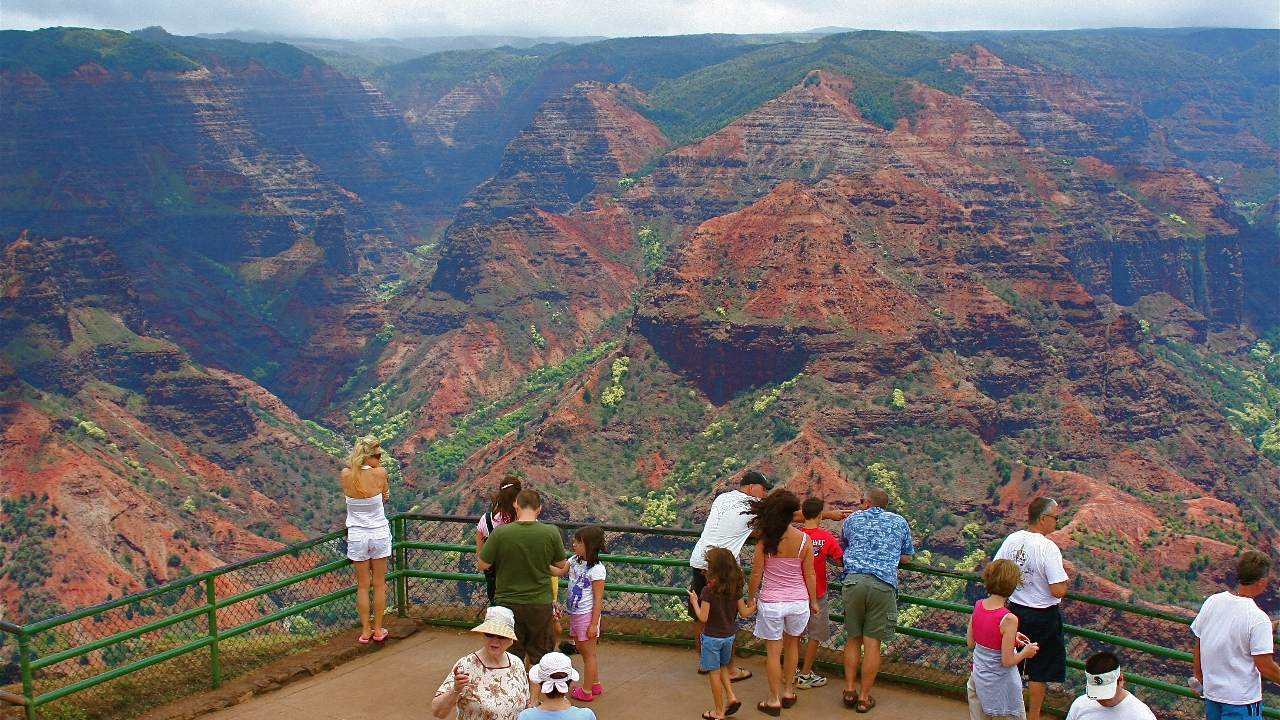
{"x": 724, "y": 575}
{"x": 592, "y": 537}
{"x": 505, "y": 500}
{"x": 773, "y": 514}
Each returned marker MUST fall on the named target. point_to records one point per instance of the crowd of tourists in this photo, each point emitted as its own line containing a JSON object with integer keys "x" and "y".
{"x": 1015, "y": 633}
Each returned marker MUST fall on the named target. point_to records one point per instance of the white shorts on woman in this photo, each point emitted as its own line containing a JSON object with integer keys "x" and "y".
{"x": 368, "y": 548}
{"x": 775, "y": 618}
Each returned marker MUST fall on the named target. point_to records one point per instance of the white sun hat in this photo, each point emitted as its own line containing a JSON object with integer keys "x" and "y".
{"x": 554, "y": 672}
{"x": 498, "y": 621}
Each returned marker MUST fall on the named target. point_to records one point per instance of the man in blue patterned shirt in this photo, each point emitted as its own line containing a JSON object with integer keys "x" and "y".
{"x": 876, "y": 542}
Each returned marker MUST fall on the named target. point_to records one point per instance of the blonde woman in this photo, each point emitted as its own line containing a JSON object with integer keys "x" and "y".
{"x": 364, "y": 482}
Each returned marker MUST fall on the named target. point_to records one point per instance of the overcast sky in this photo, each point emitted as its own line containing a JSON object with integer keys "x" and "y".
{"x": 362, "y": 19}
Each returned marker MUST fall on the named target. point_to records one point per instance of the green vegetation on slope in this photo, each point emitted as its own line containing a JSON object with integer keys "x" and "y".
{"x": 57, "y": 52}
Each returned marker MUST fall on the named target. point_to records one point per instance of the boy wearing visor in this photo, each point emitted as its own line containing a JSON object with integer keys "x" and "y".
{"x": 1104, "y": 695}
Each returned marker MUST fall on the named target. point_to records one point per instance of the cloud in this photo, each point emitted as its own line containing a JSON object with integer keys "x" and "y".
{"x": 362, "y": 19}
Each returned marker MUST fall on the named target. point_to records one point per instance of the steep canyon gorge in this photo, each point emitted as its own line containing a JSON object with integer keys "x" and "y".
{"x": 967, "y": 267}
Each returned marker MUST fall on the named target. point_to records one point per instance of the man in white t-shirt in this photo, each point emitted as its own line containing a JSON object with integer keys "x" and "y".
{"x": 1105, "y": 697}
{"x": 1037, "y": 600}
{"x": 1234, "y": 644}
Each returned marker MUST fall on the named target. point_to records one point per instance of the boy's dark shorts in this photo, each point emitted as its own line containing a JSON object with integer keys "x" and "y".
{"x": 534, "y": 635}
{"x": 1043, "y": 626}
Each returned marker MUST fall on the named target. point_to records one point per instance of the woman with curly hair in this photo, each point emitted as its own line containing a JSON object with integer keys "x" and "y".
{"x": 364, "y": 482}
{"x": 783, "y": 579}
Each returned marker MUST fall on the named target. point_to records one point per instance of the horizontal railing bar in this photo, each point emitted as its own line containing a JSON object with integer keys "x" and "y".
{"x": 12, "y": 698}
{"x": 1127, "y": 643}
{"x": 272, "y": 587}
{"x": 637, "y": 529}
{"x": 83, "y": 613}
{"x": 623, "y": 559}
{"x": 285, "y": 612}
{"x": 938, "y": 604}
{"x": 6, "y": 626}
{"x": 178, "y": 584}
{"x": 118, "y": 637}
{"x": 477, "y": 577}
{"x": 122, "y": 670}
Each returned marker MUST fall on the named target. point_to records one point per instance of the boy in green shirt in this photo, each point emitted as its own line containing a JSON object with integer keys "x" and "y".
{"x": 522, "y": 554}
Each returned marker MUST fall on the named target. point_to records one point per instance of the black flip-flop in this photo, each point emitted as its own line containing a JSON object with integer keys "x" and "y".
{"x": 788, "y": 701}
{"x": 743, "y": 674}
{"x": 708, "y": 716}
{"x": 703, "y": 672}
{"x": 732, "y": 707}
{"x": 768, "y": 709}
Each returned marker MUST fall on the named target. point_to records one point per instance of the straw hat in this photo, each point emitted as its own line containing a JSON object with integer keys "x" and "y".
{"x": 498, "y": 621}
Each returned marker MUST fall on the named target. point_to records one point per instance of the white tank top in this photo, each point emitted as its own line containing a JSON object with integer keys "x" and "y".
{"x": 366, "y": 519}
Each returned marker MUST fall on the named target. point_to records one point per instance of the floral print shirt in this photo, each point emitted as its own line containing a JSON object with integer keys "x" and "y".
{"x": 495, "y": 693}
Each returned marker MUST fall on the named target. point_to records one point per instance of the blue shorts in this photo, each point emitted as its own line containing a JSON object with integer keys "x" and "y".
{"x": 1214, "y": 710}
{"x": 716, "y": 652}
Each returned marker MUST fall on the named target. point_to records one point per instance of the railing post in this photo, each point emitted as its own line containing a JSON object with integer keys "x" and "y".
{"x": 24, "y": 665}
{"x": 215, "y": 660}
{"x": 402, "y": 583}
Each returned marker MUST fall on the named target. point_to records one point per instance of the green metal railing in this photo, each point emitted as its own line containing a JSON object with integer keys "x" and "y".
{"x": 154, "y": 646}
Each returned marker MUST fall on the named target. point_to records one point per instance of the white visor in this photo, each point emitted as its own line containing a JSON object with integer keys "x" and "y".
{"x": 1102, "y": 687}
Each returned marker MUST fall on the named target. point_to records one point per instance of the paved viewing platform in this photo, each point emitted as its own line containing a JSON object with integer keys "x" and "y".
{"x": 640, "y": 681}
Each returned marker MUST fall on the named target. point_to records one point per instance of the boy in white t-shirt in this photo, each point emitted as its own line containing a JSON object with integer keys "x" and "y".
{"x": 1234, "y": 644}
{"x": 1104, "y": 695}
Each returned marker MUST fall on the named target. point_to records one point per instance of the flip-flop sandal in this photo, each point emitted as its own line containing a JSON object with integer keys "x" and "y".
{"x": 703, "y": 672}
{"x": 769, "y": 709}
{"x": 732, "y": 707}
{"x": 788, "y": 701}
{"x": 708, "y": 716}
{"x": 743, "y": 674}
{"x": 362, "y": 640}
{"x": 850, "y": 699}
{"x": 381, "y": 636}
{"x": 865, "y": 706}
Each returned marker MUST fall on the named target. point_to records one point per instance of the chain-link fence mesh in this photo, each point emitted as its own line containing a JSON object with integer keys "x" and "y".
{"x": 644, "y": 600}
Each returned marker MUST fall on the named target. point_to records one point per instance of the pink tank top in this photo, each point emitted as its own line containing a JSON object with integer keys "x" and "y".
{"x": 784, "y": 579}
{"x": 986, "y": 625}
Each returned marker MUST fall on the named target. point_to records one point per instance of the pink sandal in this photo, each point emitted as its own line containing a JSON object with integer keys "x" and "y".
{"x": 362, "y": 640}
{"x": 580, "y": 695}
{"x": 381, "y": 636}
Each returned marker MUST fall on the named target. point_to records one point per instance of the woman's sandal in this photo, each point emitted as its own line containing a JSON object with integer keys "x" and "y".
{"x": 769, "y": 709}
{"x": 381, "y": 636}
{"x": 581, "y": 695}
{"x": 743, "y": 674}
{"x": 708, "y": 715}
{"x": 788, "y": 701}
{"x": 732, "y": 707}
{"x": 850, "y": 698}
{"x": 362, "y": 640}
{"x": 865, "y": 705}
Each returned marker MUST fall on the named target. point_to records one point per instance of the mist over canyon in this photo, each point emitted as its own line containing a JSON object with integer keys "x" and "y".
{"x": 966, "y": 267}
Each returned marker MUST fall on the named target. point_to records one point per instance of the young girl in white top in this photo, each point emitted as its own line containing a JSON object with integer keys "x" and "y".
{"x": 583, "y": 601}
{"x": 364, "y": 482}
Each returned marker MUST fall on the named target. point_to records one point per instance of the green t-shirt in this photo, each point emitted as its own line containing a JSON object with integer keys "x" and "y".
{"x": 522, "y": 554}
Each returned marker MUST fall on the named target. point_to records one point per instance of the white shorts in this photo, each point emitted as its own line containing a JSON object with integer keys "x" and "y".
{"x": 369, "y": 548}
{"x": 775, "y": 618}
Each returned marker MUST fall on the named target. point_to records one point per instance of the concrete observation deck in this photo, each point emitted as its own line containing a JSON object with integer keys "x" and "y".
{"x": 648, "y": 681}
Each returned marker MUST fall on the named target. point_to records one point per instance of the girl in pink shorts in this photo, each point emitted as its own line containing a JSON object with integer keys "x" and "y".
{"x": 583, "y": 601}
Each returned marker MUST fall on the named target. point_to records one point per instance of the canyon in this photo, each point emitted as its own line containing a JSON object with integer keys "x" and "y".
{"x": 969, "y": 268}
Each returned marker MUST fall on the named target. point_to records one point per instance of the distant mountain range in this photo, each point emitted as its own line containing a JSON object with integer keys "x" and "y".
{"x": 965, "y": 267}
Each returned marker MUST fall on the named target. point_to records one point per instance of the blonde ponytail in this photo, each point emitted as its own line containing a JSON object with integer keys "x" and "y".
{"x": 365, "y": 448}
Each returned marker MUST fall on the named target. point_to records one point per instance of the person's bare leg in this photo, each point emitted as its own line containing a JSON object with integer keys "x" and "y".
{"x": 590, "y": 670}
{"x": 379, "y": 579}
{"x": 773, "y": 668}
{"x": 1035, "y": 699}
{"x": 791, "y": 657}
{"x": 726, "y": 677}
{"x": 362, "y": 597}
{"x": 852, "y": 658}
{"x": 719, "y": 686}
{"x": 870, "y": 666}
{"x": 810, "y": 654}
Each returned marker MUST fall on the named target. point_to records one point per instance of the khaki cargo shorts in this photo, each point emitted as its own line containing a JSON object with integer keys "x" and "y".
{"x": 870, "y": 607}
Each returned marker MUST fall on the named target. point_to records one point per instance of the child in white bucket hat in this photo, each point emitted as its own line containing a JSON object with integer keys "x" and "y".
{"x": 555, "y": 674}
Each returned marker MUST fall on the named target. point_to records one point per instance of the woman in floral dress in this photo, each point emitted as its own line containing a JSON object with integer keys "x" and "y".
{"x": 489, "y": 684}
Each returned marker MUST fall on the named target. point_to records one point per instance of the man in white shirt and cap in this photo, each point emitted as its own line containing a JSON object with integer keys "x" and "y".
{"x": 1105, "y": 697}
{"x": 1234, "y": 644}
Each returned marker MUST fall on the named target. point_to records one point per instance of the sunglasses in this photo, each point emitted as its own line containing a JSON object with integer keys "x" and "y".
{"x": 491, "y": 636}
